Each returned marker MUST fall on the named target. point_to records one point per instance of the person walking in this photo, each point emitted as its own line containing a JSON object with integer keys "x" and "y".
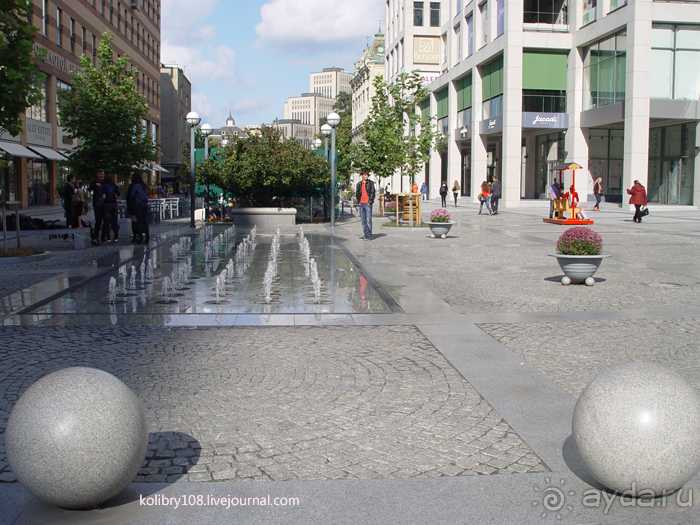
{"x": 554, "y": 193}
{"x": 139, "y": 198}
{"x": 110, "y": 196}
{"x": 597, "y": 193}
{"x": 424, "y": 192}
{"x": 495, "y": 195}
{"x": 78, "y": 205}
{"x": 68, "y": 193}
{"x": 484, "y": 197}
{"x": 443, "y": 193}
{"x": 131, "y": 209}
{"x": 455, "y": 191}
{"x": 639, "y": 199}
{"x": 98, "y": 205}
{"x": 365, "y": 197}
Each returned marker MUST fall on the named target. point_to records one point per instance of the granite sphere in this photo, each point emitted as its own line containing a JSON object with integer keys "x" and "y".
{"x": 76, "y": 438}
{"x": 636, "y": 428}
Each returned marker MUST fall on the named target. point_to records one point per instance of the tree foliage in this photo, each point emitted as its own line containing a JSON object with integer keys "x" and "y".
{"x": 20, "y": 77}
{"x": 394, "y": 137}
{"x": 343, "y": 140}
{"x": 105, "y": 111}
{"x": 263, "y": 169}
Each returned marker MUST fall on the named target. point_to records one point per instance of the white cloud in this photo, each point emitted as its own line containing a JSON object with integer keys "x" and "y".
{"x": 316, "y": 24}
{"x": 186, "y": 37}
{"x": 201, "y": 104}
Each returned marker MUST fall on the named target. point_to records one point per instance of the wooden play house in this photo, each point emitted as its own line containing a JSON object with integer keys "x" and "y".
{"x": 566, "y": 209}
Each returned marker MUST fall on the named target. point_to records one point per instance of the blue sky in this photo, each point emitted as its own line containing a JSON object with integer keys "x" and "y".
{"x": 249, "y": 56}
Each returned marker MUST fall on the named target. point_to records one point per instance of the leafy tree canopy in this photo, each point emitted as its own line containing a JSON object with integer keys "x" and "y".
{"x": 105, "y": 111}
{"x": 20, "y": 77}
{"x": 263, "y": 169}
{"x": 391, "y": 140}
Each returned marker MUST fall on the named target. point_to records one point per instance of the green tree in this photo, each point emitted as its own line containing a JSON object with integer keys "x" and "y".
{"x": 343, "y": 140}
{"x": 263, "y": 169}
{"x": 390, "y": 138}
{"x": 20, "y": 77}
{"x": 105, "y": 111}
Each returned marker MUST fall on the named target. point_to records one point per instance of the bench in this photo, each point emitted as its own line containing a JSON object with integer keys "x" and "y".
{"x": 81, "y": 236}
{"x": 562, "y": 206}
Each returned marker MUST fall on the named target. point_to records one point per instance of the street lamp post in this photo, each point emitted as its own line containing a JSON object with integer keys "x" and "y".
{"x": 192, "y": 120}
{"x": 333, "y": 119}
{"x": 326, "y": 131}
{"x": 206, "y": 131}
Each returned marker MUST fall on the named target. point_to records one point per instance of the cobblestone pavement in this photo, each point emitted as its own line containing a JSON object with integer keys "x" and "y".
{"x": 573, "y": 353}
{"x": 282, "y": 403}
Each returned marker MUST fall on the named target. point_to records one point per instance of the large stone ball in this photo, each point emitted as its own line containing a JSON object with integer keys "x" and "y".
{"x": 76, "y": 438}
{"x": 636, "y": 427}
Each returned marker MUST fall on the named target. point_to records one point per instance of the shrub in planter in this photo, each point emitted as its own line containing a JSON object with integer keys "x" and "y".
{"x": 579, "y": 241}
{"x": 440, "y": 215}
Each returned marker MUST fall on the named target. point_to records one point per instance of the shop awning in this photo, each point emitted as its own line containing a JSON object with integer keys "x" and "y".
{"x": 48, "y": 153}
{"x": 160, "y": 168}
{"x": 151, "y": 166}
{"x": 17, "y": 150}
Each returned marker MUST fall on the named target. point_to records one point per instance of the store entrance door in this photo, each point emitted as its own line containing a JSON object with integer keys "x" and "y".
{"x": 670, "y": 188}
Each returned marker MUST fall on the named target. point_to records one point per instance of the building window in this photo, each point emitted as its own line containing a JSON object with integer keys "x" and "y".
{"x": 58, "y": 26}
{"x": 675, "y": 60}
{"x": 418, "y": 14}
{"x": 545, "y": 12}
{"x": 94, "y": 50}
{"x": 484, "y": 10}
{"x": 39, "y": 111}
{"x": 492, "y": 89}
{"x": 470, "y": 35}
{"x": 83, "y": 42}
{"x": 72, "y": 36}
{"x": 544, "y": 81}
{"x": 604, "y": 71}
{"x": 44, "y": 17}
{"x": 458, "y": 7}
{"x": 434, "y": 14}
{"x": 62, "y": 91}
{"x": 458, "y": 40}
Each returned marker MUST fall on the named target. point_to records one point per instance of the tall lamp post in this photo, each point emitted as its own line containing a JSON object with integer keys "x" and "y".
{"x": 206, "y": 130}
{"x": 326, "y": 131}
{"x": 333, "y": 119}
{"x": 192, "y": 120}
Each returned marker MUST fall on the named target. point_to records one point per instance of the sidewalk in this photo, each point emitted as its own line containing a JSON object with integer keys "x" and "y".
{"x": 456, "y": 410}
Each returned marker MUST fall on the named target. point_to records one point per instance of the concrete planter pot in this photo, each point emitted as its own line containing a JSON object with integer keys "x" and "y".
{"x": 440, "y": 229}
{"x": 579, "y": 268}
{"x": 28, "y": 258}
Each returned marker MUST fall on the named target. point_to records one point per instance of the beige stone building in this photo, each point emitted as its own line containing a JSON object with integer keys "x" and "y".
{"x": 367, "y": 68}
{"x": 308, "y": 108}
{"x": 330, "y": 82}
{"x": 66, "y": 30}
{"x": 176, "y": 103}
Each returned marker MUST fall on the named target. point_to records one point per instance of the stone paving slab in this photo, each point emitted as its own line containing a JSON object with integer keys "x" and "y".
{"x": 279, "y": 403}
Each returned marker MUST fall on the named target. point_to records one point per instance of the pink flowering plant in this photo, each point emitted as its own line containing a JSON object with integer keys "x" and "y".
{"x": 390, "y": 206}
{"x": 440, "y": 215}
{"x": 579, "y": 241}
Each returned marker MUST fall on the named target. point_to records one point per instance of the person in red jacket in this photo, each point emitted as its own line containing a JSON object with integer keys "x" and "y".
{"x": 639, "y": 199}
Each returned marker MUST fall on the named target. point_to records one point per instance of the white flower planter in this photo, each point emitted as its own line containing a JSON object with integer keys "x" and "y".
{"x": 440, "y": 229}
{"x": 579, "y": 268}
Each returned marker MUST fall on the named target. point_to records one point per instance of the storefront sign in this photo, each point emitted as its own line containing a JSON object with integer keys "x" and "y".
{"x": 39, "y": 133}
{"x": 428, "y": 77}
{"x": 545, "y": 120}
{"x": 426, "y": 50}
{"x": 463, "y": 133}
{"x": 65, "y": 141}
{"x": 56, "y": 60}
{"x": 491, "y": 125}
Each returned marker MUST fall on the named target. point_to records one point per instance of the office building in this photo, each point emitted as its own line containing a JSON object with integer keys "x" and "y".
{"x": 176, "y": 103}
{"x": 29, "y": 168}
{"x": 520, "y": 87}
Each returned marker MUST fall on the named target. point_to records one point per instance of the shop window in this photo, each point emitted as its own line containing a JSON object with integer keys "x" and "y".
{"x": 605, "y": 70}
{"x": 675, "y": 60}
{"x": 39, "y": 111}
